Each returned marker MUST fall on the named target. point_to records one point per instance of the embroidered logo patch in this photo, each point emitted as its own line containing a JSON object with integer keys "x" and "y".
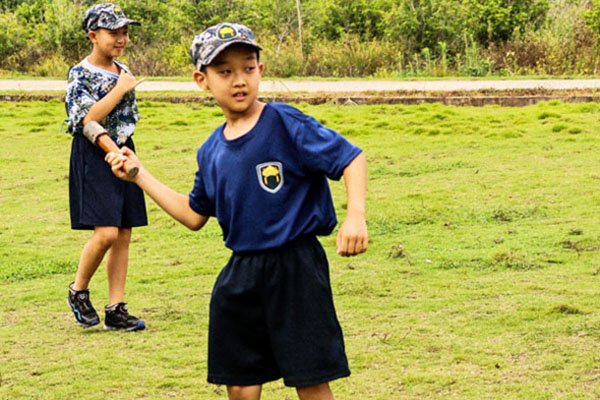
{"x": 226, "y": 32}
{"x": 270, "y": 176}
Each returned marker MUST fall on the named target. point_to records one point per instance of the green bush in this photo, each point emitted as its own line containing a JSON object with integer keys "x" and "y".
{"x": 326, "y": 37}
{"x": 14, "y": 39}
{"x": 494, "y": 21}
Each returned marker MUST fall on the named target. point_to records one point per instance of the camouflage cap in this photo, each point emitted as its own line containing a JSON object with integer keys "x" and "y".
{"x": 107, "y": 16}
{"x": 210, "y": 43}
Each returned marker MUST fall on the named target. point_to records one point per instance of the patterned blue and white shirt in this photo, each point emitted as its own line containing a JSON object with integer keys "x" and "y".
{"x": 87, "y": 84}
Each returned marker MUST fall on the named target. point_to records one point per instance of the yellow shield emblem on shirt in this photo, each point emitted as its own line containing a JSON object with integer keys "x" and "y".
{"x": 270, "y": 176}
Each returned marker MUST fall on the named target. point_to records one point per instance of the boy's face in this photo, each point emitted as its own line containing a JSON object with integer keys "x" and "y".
{"x": 233, "y": 78}
{"x": 110, "y": 43}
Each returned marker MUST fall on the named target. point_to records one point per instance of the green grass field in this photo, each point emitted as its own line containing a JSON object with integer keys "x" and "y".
{"x": 481, "y": 281}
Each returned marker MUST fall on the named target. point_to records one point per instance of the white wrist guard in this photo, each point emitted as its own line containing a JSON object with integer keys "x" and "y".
{"x": 92, "y": 130}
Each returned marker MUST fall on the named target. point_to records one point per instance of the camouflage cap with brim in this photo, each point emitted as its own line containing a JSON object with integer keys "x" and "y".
{"x": 210, "y": 43}
{"x": 107, "y": 16}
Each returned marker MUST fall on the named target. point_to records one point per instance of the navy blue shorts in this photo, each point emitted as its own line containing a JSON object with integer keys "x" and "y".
{"x": 272, "y": 316}
{"x": 96, "y": 196}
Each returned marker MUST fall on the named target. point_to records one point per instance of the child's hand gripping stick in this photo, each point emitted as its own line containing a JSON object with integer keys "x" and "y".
{"x": 99, "y": 136}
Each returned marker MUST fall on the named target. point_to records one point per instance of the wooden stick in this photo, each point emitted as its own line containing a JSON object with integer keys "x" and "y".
{"x": 108, "y": 145}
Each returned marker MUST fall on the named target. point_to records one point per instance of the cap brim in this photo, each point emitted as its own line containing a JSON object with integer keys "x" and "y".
{"x": 225, "y": 46}
{"x": 126, "y": 21}
{"x": 120, "y": 23}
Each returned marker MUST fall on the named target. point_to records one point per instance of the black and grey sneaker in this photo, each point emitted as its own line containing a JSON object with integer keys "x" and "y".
{"x": 118, "y": 319}
{"x": 79, "y": 301}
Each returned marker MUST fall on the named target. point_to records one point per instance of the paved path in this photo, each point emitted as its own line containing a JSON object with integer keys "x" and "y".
{"x": 269, "y": 86}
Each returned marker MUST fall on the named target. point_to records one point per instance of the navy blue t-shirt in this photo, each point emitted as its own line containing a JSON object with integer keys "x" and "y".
{"x": 270, "y": 186}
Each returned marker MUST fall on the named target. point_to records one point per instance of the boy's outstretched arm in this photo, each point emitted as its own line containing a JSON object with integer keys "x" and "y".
{"x": 173, "y": 203}
{"x": 105, "y": 105}
{"x": 352, "y": 238}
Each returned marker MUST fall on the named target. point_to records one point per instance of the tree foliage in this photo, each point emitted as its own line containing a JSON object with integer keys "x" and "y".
{"x": 38, "y": 35}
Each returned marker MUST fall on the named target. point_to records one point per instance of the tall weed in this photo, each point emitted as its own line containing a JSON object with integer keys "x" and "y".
{"x": 351, "y": 57}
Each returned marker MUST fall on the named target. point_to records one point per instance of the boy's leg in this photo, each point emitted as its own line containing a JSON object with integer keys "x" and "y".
{"x": 116, "y": 266}
{"x": 244, "y": 392}
{"x": 91, "y": 256}
{"x": 315, "y": 392}
{"x": 306, "y": 336}
{"x": 117, "y": 316}
{"x": 93, "y": 253}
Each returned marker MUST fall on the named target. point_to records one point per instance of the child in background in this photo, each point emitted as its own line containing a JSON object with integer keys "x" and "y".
{"x": 263, "y": 175}
{"x": 101, "y": 89}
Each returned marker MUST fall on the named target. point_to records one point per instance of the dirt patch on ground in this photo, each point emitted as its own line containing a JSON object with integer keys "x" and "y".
{"x": 506, "y": 98}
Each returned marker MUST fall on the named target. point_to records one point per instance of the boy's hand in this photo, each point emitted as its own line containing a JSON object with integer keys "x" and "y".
{"x": 352, "y": 238}
{"x": 127, "y": 82}
{"x": 117, "y": 161}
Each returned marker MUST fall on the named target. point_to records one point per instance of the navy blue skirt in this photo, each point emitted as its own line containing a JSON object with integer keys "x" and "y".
{"x": 96, "y": 196}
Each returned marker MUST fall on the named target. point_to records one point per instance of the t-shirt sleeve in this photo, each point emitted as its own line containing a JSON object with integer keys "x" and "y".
{"x": 322, "y": 149}
{"x": 79, "y": 99}
{"x": 199, "y": 199}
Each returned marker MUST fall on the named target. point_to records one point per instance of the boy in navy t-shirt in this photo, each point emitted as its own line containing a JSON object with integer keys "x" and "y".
{"x": 263, "y": 175}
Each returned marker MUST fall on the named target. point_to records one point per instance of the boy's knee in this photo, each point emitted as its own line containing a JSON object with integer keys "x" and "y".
{"x": 244, "y": 392}
{"x": 124, "y": 235}
{"x": 106, "y": 236}
{"x": 315, "y": 392}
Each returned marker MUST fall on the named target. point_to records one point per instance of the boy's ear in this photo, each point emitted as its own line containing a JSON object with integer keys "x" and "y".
{"x": 261, "y": 68}
{"x": 92, "y": 36}
{"x": 200, "y": 78}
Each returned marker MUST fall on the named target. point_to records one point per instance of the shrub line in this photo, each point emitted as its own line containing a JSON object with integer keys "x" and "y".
{"x": 467, "y": 100}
